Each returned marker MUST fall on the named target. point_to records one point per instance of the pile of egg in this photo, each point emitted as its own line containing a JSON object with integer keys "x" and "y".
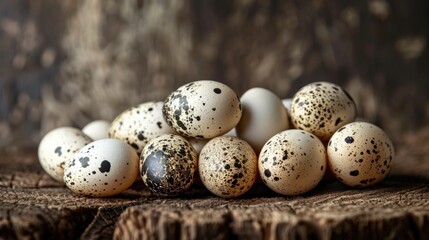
{"x": 204, "y": 130}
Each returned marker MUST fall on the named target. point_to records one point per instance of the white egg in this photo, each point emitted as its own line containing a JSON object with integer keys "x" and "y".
{"x": 231, "y": 133}
{"x": 98, "y": 129}
{"x": 287, "y": 103}
{"x": 138, "y": 125}
{"x": 360, "y": 154}
{"x": 263, "y": 116}
{"x": 292, "y": 162}
{"x": 198, "y": 143}
{"x": 57, "y": 147}
{"x": 202, "y": 109}
{"x": 322, "y": 108}
{"x": 102, "y": 168}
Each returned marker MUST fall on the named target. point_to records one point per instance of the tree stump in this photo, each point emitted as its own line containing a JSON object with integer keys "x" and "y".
{"x": 33, "y": 206}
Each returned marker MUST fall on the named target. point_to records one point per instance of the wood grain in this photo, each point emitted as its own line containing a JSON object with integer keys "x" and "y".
{"x": 33, "y": 206}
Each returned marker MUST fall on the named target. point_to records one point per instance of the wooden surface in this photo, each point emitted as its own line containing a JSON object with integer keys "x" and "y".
{"x": 33, "y": 206}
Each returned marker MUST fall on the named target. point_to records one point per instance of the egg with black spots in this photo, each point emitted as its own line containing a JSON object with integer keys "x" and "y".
{"x": 57, "y": 147}
{"x": 138, "y": 125}
{"x": 102, "y": 168}
{"x": 292, "y": 162}
{"x": 202, "y": 109}
{"x": 360, "y": 154}
{"x": 322, "y": 108}
{"x": 227, "y": 166}
{"x": 168, "y": 164}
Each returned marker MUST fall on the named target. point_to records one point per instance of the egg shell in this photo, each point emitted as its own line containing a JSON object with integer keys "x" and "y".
{"x": 102, "y": 168}
{"x": 287, "y": 103}
{"x": 202, "y": 109}
{"x": 227, "y": 166}
{"x": 168, "y": 164}
{"x": 292, "y": 162}
{"x": 138, "y": 125}
{"x": 198, "y": 143}
{"x": 322, "y": 108}
{"x": 263, "y": 116}
{"x": 360, "y": 154}
{"x": 57, "y": 147}
{"x": 98, "y": 129}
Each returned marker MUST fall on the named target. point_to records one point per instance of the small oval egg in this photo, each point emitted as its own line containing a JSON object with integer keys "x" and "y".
{"x": 57, "y": 147}
{"x": 138, "y": 125}
{"x": 322, "y": 108}
{"x": 292, "y": 162}
{"x": 360, "y": 154}
{"x": 198, "y": 143}
{"x": 263, "y": 116}
{"x": 287, "y": 103}
{"x": 168, "y": 164}
{"x": 227, "y": 166}
{"x": 202, "y": 109}
{"x": 98, "y": 129}
{"x": 102, "y": 168}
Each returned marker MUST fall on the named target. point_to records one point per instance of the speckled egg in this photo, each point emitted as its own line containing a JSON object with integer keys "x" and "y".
{"x": 360, "y": 154}
{"x": 227, "y": 166}
{"x": 263, "y": 116}
{"x": 57, "y": 147}
{"x": 168, "y": 164}
{"x": 102, "y": 168}
{"x": 98, "y": 129}
{"x": 202, "y": 109}
{"x": 138, "y": 125}
{"x": 322, "y": 108}
{"x": 292, "y": 162}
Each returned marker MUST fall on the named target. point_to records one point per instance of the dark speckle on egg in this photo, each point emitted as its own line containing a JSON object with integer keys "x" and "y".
{"x": 227, "y": 175}
{"x": 193, "y": 109}
{"x": 168, "y": 164}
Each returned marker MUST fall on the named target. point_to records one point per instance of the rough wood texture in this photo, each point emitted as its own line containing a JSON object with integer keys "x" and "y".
{"x": 33, "y": 206}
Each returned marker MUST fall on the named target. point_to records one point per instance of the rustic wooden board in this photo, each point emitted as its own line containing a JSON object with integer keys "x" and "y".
{"x": 33, "y": 206}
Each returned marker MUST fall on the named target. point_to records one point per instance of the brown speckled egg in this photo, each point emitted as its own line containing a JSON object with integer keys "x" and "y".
{"x": 202, "y": 109}
{"x": 227, "y": 166}
{"x": 322, "y": 108}
{"x": 168, "y": 164}
{"x": 292, "y": 162}
{"x": 360, "y": 154}
{"x": 102, "y": 168}
{"x": 138, "y": 125}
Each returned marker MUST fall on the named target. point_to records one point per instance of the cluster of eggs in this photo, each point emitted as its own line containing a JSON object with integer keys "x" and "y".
{"x": 203, "y": 129}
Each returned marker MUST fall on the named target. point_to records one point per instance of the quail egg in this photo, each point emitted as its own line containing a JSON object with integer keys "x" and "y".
{"x": 168, "y": 164}
{"x": 57, "y": 147}
{"x": 322, "y": 108}
{"x": 102, "y": 168}
{"x": 98, "y": 129}
{"x": 263, "y": 116}
{"x": 292, "y": 162}
{"x": 202, "y": 109}
{"x": 227, "y": 166}
{"x": 137, "y": 125}
{"x": 360, "y": 154}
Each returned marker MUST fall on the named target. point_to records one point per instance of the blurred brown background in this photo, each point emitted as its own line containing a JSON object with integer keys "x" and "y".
{"x": 70, "y": 62}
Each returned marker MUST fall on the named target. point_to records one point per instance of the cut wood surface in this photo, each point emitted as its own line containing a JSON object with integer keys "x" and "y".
{"x": 33, "y": 206}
